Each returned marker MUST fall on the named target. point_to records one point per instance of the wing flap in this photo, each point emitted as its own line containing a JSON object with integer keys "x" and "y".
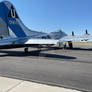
{"x": 41, "y": 41}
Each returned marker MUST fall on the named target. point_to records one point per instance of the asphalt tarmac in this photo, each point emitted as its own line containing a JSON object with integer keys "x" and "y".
{"x": 65, "y": 68}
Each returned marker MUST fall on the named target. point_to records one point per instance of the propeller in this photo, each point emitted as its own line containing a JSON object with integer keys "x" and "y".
{"x": 72, "y": 33}
{"x": 86, "y": 32}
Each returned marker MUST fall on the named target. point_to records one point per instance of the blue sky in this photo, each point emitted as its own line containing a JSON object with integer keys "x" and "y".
{"x": 51, "y": 15}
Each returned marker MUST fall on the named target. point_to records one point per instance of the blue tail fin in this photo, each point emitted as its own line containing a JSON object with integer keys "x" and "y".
{"x": 10, "y": 21}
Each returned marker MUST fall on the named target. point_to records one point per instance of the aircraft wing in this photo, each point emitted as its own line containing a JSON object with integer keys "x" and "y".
{"x": 28, "y": 41}
{"x": 31, "y": 41}
{"x": 42, "y": 41}
{"x": 84, "y": 38}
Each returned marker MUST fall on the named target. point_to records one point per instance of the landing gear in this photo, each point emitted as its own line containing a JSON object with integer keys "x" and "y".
{"x": 70, "y": 45}
{"x": 26, "y": 50}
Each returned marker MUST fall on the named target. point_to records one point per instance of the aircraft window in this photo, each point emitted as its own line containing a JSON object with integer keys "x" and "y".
{"x": 12, "y": 13}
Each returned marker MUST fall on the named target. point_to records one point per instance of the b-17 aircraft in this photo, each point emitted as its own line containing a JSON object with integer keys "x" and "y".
{"x": 75, "y": 38}
{"x": 14, "y": 34}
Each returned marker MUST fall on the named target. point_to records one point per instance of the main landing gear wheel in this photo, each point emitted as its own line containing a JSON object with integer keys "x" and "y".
{"x": 70, "y": 45}
{"x": 26, "y": 50}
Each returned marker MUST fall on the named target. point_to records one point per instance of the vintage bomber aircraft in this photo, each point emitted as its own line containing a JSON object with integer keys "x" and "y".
{"x": 14, "y": 34}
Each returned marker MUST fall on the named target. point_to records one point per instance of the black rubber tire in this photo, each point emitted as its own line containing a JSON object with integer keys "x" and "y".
{"x": 70, "y": 45}
{"x": 26, "y": 50}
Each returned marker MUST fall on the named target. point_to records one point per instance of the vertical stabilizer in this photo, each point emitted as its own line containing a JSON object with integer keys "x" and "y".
{"x": 10, "y": 23}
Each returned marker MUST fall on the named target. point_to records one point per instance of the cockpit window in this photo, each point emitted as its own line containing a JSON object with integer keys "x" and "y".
{"x": 12, "y": 13}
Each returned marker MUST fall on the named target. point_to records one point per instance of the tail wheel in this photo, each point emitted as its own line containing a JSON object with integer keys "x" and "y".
{"x": 26, "y": 50}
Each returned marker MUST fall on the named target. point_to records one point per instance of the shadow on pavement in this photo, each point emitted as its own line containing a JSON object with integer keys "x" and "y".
{"x": 36, "y": 53}
{"x": 85, "y": 49}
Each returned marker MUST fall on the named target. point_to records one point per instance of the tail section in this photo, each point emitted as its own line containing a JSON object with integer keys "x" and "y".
{"x": 10, "y": 23}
